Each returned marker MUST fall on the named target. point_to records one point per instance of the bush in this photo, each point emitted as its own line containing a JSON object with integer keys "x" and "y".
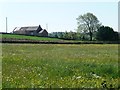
{"x": 106, "y": 33}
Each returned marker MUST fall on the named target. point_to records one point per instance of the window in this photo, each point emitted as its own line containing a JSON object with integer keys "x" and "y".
{"x": 31, "y": 33}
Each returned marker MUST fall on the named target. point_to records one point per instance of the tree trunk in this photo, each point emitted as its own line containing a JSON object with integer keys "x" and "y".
{"x": 90, "y": 36}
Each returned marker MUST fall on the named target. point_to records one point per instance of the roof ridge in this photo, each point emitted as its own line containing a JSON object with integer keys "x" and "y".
{"x": 31, "y": 26}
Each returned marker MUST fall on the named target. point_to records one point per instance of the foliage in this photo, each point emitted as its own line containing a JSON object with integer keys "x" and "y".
{"x": 88, "y": 23}
{"x": 56, "y": 35}
{"x": 66, "y": 35}
{"x": 59, "y": 66}
{"x": 106, "y": 33}
{"x": 70, "y": 35}
{"x": 116, "y": 36}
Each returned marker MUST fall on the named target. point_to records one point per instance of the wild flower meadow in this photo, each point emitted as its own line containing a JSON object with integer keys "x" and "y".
{"x": 60, "y": 66}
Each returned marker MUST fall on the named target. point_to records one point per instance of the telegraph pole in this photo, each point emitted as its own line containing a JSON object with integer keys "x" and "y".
{"x": 47, "y": 27}
{"x": 6, "y": 24}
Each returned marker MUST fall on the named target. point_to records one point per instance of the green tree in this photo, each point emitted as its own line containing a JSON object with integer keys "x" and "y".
{"x": 116, "y": 36}
{"x": 65, "y": 35}
{"x": 71, "y": 35}
{"x": 88, "y": 23}
{"x": 105, "y": 33}
{"x": 78, "y": 36}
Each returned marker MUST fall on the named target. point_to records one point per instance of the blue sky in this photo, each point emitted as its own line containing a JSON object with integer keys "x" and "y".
{"x": 60, "y": 16}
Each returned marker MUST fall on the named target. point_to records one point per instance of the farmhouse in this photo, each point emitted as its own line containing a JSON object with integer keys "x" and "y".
{"x": 31, "y": 30}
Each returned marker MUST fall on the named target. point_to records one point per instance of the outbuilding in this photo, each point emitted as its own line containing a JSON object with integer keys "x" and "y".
{"x": 31, "y": 30}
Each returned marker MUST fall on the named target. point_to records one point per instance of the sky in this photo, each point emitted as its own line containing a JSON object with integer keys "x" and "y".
{"x": 57, "y": 16}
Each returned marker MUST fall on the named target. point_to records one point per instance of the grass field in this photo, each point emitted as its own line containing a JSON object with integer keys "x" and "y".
{"x": 12, "y": 36}
{"x": 59, "y": 66}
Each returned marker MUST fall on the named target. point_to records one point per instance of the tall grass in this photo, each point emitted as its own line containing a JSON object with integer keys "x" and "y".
{"x": 59, "y": 66}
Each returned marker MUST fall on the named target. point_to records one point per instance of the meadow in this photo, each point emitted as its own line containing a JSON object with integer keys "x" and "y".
{"x": 60, "y": 66}
{"x": 14, "y": 36}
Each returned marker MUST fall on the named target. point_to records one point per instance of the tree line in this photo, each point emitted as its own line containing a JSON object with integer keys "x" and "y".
{"x": 89, "y": 28}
